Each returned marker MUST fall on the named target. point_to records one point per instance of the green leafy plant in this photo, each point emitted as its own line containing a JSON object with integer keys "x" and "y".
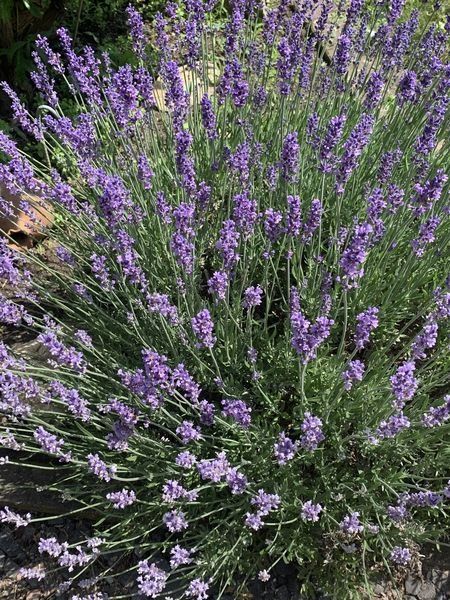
{"x": 246, "y": 335}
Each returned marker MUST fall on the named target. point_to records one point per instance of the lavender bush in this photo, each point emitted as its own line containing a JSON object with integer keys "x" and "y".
{"x": 247, "y": 334}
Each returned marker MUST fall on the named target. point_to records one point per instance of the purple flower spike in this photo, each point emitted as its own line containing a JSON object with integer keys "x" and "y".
{"x": 8, "y": 516}
{"x": 238, "y": 411}
{"x": 290, "y": 157}
{"x": 354, "y": 372}
{"x": 367, "y": 321}
{"x": 311, "y": 512}
{"x": 122, "y": 499}
{"x": 312, "y": 432}
{"x": 187, "y": 431}
{"x": 400, "y": 556}
{"x": 284, "y": 449}
{"x": 253, "y": 296}
{"x": 198, "y": 590}
{"x": 218, "y": 284}
{"x": 404, "y": 384}
{"x": 175, "y": 521}
{"x": 351, "y": 524}
{"x": 203, "y": 327}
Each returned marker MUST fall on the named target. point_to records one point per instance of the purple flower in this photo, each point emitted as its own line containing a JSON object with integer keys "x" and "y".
{"x": 238, "y": 411}
{"x": 313, "y": 221}
{"x": 185, "y": 459}
{"x": 183, "y": 250}
{"x": 128, "y": 258}
{"x": 239, "y": 162}
{"x": 203, "y": 327}
{"x": 175, "y": 520}
{"x": 393, "y": 426}
{"x": 162, "y": 208}
{"x": 397, "y": 513}
{"x": 395, "y": 197}
{"x": 375, "y": 208}
{"x": 403, "y": 384}
{"x": 273, "y": 224}
{"x": 37, "y": 573}
{"x": 185, "y": 382}
{"x": 12, "y": 313}
{"x": 437, "y": 415}
{"x": 71, "y": 397}
{"x": 436, "y": 115}
{"x": 184, "y": 161}
{"x": 333, "y": 134}
{"x": 145, "y": 172}
{"x": 253, "y": 296}
{"x": 207, "y": 412}
{"x": 177, "y": 98}
{"x": 290, "y": 157}
{"x": 351, "y": 524}
{"x": 51, "y": 547}
{"x": 8, "y": 516}
{"x": 387, "y": 163}
{"x": 354, "y": 372}
{"x": 374, "y": 90}
{"x": 50, "y": 443}
{"x": 99, "y": 468}
{"x": 400, "y": 556}
{"x": 245, "y": 213}
{"x": 312, "y": 432}
{"x": 354, "y": 256}
{"x": 408, "y": 88}
{"x": 426, "y": 339}
{"x": 293, "y": 216}
{"x": 218, "y": 284}
{"x": 254, "y": 521}
{"x": 428, "y": 194}
{"x": 236, "y": 481}
{"x": 161, "y": 305}
{"x": 83, "y": 338}
{"x": 228, "y": 243}
{"x": 284, "y": 449}
{"x": 187, "y": 431}
{"x": 367, "y": 321}
{"x": 353, "y": 148}
{"x": 310, "y": 511}
{"x": 198, "y": 590}
{"x": 122, "y": 499}
{"x": 208, "y": 117}
{"x": 136, "y": 26}
{"x": 180, "y": 556}
{"x": 232, "y": 83}
{"x": 62, "y": 355}
{"x": 426, "y": 235}
{"x": 215, "y": 469}
{"x": 307, "y": 338}
{"x": 265, "y": 503}
{"x": 21, "y": 115}
{"x": 151, "y": 579}
{"x": 343, "y": 54}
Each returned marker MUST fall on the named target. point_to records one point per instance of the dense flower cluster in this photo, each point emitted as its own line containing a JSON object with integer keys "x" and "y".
{"x": 244, "y": 338}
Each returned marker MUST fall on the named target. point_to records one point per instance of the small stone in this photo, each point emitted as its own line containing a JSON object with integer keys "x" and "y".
{"x": 412, "y": 585}
{"x": 439, "y": 578}
{"x": 427, "y": 591}
{"x": 379, "y": 589}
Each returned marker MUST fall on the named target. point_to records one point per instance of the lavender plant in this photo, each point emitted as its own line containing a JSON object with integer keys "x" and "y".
{"x": 247, "y": 334}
